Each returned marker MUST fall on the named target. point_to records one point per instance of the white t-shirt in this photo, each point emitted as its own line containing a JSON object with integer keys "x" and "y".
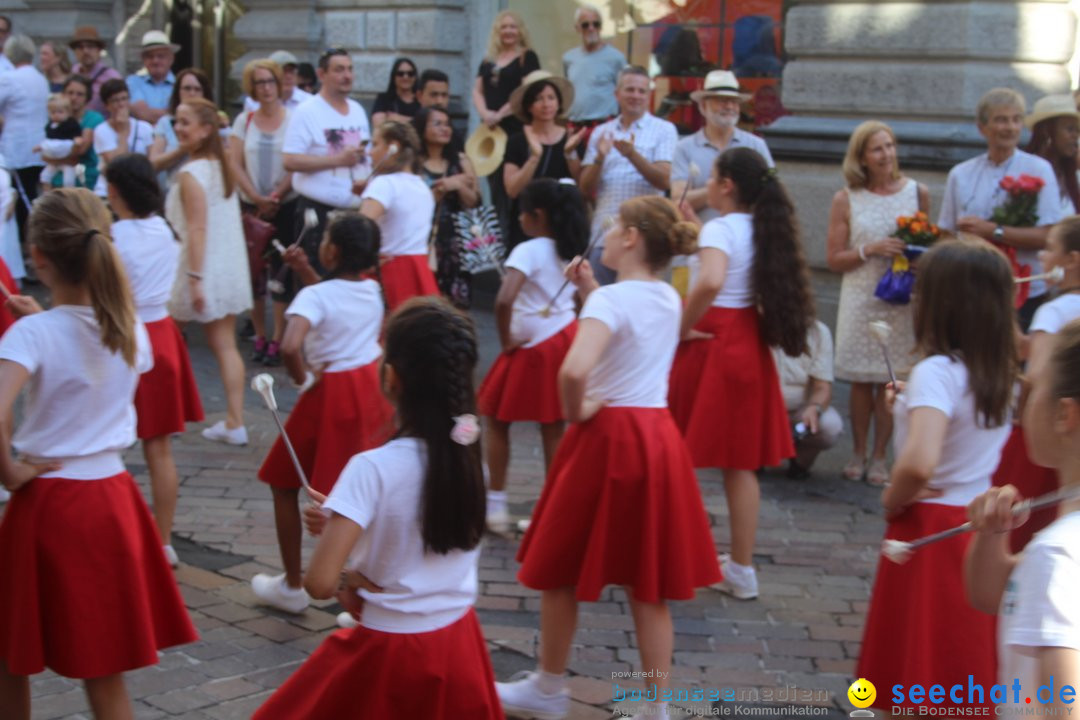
{"x": 346, "y": 317}
{"x": 732, "y": 234}
{"x": 316, "y": 128}
{"x": 140, "y": 137}
{"x": 643, "y": 316}
{"x": 150, "y": 253}
{"x": 380, "y": 491}
{"x": 971, "y": 452}
{"x": 80, "y": 396}
{"x": 409, "y": 206}
{"x": 1052, "y": 316}
{"x": 795, "y": 372}
{"x": 539, "y": 261}
{"x": 1039, "y": 607}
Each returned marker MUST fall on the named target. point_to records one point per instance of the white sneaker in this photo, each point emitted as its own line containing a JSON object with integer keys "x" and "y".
{"x": 740, "y": 588}
{"x": 522, "y": 698}
{"x": 499, "y": 521}
{"x": 346, "y": 620}
{"x": 272, "y": 591}
{"x": 171, "y": 556}
{"x": 219, "y": 433}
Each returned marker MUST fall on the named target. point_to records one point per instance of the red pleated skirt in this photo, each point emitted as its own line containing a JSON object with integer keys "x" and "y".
{"x": 1032, "y": 480}
{"x": 523, "y": 384}
{"x": 725, "y": 395}
{"x": 343, "y": 414}
{"x": 167, "y": 396}
{"x": 920, "y": 628}
{"x": 444, "y": 674}
{"x": 6, "y": 318}
{"x": 84, "y": 585}
{"x": 406, "y": 276}
{"x": 621, "y": 506}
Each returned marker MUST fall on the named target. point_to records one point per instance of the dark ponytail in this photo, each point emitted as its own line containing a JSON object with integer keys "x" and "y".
{"x": 567, "y": 217}
{"x": 432, "y": 349}
{"x": 780, "y": 278}
{"x": 357, "y": 238}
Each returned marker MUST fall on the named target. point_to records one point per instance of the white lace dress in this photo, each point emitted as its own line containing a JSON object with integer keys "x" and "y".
{"x": 226, "y": 279}
{"x": 858, "y": 356}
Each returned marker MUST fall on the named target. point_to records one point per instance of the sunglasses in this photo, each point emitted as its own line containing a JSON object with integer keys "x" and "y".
{"x": 331, "y": 52}
{"x": 406, "y": 73}
{"x": 590, "y": 24}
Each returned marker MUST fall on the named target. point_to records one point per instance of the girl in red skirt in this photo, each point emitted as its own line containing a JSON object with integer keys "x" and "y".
{"x": 536, "y": 323}
{"x": 752, "y": 292}
{"x": 1016, "y": 468}
{"x": 621, "y": 504}
{"x": 952, "y": 419}
{"x": 331, "y": 351}
{"x": 84, "y": 587}
{"x": 399, "y": 200}
{"x": 167, "y": 396}
{"x": 406, "y": 521}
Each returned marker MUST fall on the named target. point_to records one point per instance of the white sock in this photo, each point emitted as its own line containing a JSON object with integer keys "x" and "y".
{"x": 550, "y": 683}
{"x": 657, "y": 711}
{"x": 496, "y": 500}
{"x": 742, "y": 572}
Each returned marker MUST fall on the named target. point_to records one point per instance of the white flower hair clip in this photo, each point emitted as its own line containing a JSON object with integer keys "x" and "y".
{"x": 466, "y": 429}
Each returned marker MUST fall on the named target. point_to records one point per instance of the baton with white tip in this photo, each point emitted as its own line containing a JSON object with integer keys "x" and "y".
{"x": 263, "y": 383}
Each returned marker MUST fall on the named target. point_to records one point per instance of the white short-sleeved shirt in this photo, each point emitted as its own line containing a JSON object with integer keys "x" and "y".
{"x": 1039, "y": 607}
{"x": 795, "y": 372}
{"x": 140, "y": 137}
{"x": 346, "y": 317}
{"x": 316, "y": 128}
{"x": 539, "y": 261}
{"x": 972, "y": 188}
{"x": 732, "y": 234}
{"x": 1052, "y": 316}
{"x": 643, "y": 317}
{"x": 80, "y": 396}
{"x": 150, "y": 253}
{"x": 409, "y": 206}
{"x": 380, "y": 491}
{"x": 971, "y": 452}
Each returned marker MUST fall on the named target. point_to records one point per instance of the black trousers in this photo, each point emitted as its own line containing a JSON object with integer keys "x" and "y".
{"x": 29, "y": 178}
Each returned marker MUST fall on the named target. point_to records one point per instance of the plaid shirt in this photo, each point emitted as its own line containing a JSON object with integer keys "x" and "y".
{"x": 619, "y": 180}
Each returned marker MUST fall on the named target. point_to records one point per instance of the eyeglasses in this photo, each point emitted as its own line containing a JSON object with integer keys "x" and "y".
{"x": 406, "y": 73}
{"x": 586, "y": 24}
{"x": 264, "y": 81}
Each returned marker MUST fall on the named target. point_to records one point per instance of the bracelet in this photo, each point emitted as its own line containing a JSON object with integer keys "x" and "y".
{"x": 862, "y": 253}
{"x": 194, "y": 275}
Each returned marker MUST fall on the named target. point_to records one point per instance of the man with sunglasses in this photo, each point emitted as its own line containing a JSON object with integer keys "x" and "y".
{"x": 593, "y": 68}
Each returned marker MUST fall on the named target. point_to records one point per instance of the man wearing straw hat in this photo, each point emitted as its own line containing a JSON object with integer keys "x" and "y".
{"x": 628, "y": 156}
{"x": 88, "y": 47}
{"x": 695, "y": 154}
{"x": 151, "y": 87}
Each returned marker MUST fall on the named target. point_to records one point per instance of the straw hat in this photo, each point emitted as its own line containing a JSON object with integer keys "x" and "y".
{"x": 720, "y": 83}
{"x": 485, "y": 149}
{"x": 1052, "y": 106}
{"x": 154, "y": 39}
{"x": 566, "y": 89}
{"x": 86, "y": 34}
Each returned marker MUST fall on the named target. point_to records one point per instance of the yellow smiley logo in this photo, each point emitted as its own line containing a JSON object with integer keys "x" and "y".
{"x": 862, "y": 693}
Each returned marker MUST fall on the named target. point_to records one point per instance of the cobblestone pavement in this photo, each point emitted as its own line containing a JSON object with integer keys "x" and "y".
{"x": 816, "y": 553}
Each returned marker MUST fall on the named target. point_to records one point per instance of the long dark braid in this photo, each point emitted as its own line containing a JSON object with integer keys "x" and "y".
{"x": 432, "y": 349}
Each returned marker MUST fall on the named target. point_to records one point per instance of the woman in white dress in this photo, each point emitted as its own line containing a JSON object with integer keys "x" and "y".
{"x": 212, "y": 284}
{"x": 861, "y": 221}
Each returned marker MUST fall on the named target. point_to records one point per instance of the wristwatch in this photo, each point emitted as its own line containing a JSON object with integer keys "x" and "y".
{"x": 999, "y": 233}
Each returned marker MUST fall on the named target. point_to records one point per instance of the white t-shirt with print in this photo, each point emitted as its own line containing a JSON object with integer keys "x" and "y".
{"x": 1052, "y": 316}
{"x": 971, "y": 452}
{"x": 140, "y": 137}
{"x": 150, "y": 253}
{"x": 409, "y": 208}
{"x": 643, "y": 316}
{"x": 316, "y": 128}
{"x": 732, "y": 234}
{"x": 80, "y": 395}
{"x": 1040, "y": 606}
{"x": 538, "y": 260}
{"x": 346, "y": 318}
{"x": 380, "y": 491}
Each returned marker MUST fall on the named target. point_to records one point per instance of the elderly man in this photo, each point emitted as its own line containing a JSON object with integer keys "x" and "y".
{"x": 719, "y": 102}
{"x": 972, "y": 190}
{"x": 628, "y": 156}
{"x": 151, "y": 87}
{"x": 291, "y": 94}
{"x": 88, "y": 47}
{"x": 24, "y": 93}
{"x": 593, "y": 68}
{"x": 806, "y": 382}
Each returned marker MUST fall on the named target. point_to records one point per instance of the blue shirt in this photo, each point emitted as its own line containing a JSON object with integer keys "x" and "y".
{"x": 142, "y": 87}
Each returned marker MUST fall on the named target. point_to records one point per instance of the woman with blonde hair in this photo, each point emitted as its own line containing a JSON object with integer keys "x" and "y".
{"x": 55, "y": 65}
{"x": 859, "y": 245}
{"x": 212, "y": 284}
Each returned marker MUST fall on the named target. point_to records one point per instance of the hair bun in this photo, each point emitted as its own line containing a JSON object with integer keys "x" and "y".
{"x": 683, "y": 236}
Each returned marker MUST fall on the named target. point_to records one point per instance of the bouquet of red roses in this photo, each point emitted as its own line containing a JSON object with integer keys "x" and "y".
{"x": 1020, "y": 209}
